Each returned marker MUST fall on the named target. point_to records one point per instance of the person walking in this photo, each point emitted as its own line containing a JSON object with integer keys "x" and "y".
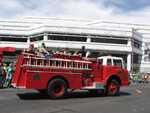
{"x": 5, "y": 70}
{"x": 9, "y": 76}
{"x": 1, "y": 75}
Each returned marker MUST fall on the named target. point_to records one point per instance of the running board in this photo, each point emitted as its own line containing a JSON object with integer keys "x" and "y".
{"x": 15, "y": 86}
{"x": 96, "y": 85}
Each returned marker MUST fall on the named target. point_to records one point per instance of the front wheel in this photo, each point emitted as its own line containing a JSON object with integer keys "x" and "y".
{"x": 57, "y": 88}
{"x": 113, "y": 88}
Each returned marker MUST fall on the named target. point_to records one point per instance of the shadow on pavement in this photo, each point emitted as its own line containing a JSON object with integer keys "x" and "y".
{"x": 32, "y": 96}
{"x": 38, "y": 96}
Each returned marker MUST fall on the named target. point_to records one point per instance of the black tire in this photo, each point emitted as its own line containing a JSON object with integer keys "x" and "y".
{"x": 57, "y": 88}
{"x": 113, "y": 88}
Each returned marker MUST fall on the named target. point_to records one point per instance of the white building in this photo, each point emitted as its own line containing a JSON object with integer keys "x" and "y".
{"x": 127, "y": 40}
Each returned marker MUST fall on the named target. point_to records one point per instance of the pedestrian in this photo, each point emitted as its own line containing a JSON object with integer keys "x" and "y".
{"x": 1, "y": 75}
{"x": 4, "y": 72}
{"x": 9, "y": 76}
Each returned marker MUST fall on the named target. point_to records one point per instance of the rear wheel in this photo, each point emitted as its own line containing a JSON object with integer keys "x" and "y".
{"x": 57, "y": 88}
{"x": 113, "y": 88}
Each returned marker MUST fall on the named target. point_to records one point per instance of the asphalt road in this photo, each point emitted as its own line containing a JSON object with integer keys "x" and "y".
{"x": 133, "y": 99}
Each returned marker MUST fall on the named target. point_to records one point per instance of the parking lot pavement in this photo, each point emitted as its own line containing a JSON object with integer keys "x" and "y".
{"x": 133, "y": 99}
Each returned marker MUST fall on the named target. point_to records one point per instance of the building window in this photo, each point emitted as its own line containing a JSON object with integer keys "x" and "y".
{"x": 105, "y": 40}
{"x": 137, "y": 44}
{"x": 136, "y": 58}
{"x": 37, "y": 38}
{"x": 13, "y": 39}
{"x": 67, "y": 38}
{"x": 147, "y": 55}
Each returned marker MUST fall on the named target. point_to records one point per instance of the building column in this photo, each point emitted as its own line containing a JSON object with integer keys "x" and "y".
{"x": 45, "y": 38}
{"x": 28, "y": 40}
{"x": 88, "y": 39}
{"x": 143, "y": 50}
{"x": 130, "y": 55}
{"x": 129, "y": 62}
{"x": 129, "y": 42}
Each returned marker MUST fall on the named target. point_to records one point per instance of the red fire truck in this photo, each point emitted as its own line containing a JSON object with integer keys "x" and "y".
{"x": 61, "y": 73}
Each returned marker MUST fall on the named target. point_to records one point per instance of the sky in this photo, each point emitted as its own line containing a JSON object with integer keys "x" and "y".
{"x": 90, "y": 9}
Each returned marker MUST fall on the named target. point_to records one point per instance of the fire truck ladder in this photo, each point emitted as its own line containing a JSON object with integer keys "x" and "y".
{"x": 56, "y": 63}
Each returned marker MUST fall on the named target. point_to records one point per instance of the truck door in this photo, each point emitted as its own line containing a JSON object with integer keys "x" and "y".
{"x": 99, "y": 68}
{"x": 108, "y": 67}
{"x": 118, "y": 66}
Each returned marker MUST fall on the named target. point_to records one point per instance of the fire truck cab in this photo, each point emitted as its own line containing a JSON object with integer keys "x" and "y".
{"x": 59, "y": 73}
{"x": 111, "y": 61}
